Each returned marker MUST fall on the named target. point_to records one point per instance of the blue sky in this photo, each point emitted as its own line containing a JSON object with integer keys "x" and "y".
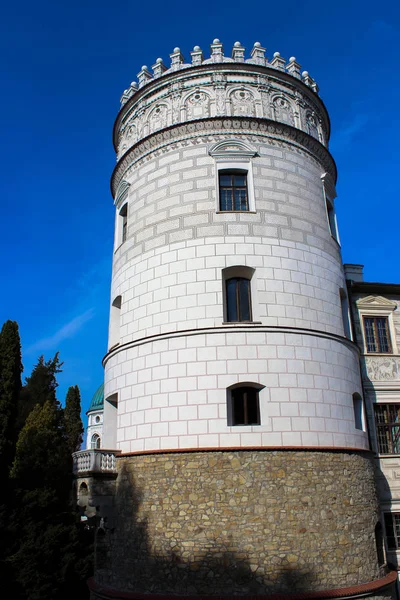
{"x": 65, "y": 66}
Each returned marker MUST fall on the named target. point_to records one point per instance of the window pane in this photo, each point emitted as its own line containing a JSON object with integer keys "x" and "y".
{"x": 231, "y": 300}
{"x": 244, "y": 300}
{"x": 369, "y": 335}
{"x": 226, "y": 199}
{"x": 240, "y": 199}
{"x": 382, "y": 335}
{"x": 239, "y": 180}
{"x": 225, "y": 180}
{"x": 391, "y": 540}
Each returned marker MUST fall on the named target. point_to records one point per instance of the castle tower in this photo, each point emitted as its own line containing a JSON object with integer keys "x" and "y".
{"x": 232, "y": 385}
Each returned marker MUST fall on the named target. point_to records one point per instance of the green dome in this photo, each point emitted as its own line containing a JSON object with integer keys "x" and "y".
{"x": 97, "y": 402}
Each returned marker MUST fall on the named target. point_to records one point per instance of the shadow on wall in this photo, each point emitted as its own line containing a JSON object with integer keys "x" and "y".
{"x": 181, "y": 568}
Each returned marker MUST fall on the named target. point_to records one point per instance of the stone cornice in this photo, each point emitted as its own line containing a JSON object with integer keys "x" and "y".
{"x": 197, "y": 71}
{"x": 204, "y": 129}
{"x": 248, "y": 328}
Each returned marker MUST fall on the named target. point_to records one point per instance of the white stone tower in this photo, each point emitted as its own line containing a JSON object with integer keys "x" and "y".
{"x": 232, "y": 385}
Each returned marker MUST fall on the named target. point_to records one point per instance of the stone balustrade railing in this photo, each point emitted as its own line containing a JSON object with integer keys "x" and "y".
{"x": 95, "y": 461}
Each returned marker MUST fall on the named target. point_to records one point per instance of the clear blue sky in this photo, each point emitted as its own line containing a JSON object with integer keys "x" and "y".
{"x": 65, "y": 65}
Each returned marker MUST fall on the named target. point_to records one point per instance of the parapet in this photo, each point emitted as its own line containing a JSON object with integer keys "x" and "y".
{"x": 257, "y": 57}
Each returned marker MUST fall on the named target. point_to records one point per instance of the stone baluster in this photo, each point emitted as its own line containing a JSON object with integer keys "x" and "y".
{"x": 238, "y": 52}
{"x": 197, "y": 56}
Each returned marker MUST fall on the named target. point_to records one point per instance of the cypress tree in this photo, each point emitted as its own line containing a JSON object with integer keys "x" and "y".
{"x": 73, "y": 421}
{"x": 43, "y": 521}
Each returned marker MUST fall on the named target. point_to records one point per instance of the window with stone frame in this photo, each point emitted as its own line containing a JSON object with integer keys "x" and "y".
{"x": 392, "y": 527}
{"x": 244, "y": 406}
{"x": 387, "y": 425}
{"x": 377, "y": 336}
{"x": 233, "y": 191}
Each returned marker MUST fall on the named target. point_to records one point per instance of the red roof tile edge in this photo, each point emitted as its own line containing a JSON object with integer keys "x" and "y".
{"x": 354, "y": 591}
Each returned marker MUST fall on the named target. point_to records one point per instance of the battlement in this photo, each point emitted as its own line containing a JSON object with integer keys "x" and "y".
{"x": 257, "y": 57}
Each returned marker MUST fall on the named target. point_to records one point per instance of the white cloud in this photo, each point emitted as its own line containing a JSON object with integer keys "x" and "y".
{"x": 344, "y": 137}
{"x": 65, "y": 332}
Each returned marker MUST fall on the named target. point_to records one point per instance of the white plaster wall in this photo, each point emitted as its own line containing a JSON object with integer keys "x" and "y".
{"x": 94, "y": 427}
{"x": 168, "y": 272}
{"x": 172, "y": 392}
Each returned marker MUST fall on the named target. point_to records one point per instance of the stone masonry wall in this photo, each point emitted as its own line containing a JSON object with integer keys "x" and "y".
{"x": 241, "y": 522}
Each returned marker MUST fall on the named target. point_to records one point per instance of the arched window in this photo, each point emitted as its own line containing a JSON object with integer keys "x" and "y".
{"x": 244, "y": 404}
{"x": 95, "y": 441}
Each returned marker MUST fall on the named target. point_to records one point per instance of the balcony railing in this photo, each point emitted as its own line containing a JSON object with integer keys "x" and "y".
{"x": 95, "y": 461}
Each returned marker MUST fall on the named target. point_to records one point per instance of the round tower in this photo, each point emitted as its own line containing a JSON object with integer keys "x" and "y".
{"x": 232, "y": 384}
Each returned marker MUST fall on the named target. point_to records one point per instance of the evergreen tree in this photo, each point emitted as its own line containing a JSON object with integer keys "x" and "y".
{"x": 10, "y": 388}
{"x": 39, "y": 387}
{"x": 73, "y": 421}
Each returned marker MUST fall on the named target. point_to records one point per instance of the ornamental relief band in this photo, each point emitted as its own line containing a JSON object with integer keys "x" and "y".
{"x": 381, "y": 368}
{"x": 220, "y": 99}
{"x": 214, "y": 130}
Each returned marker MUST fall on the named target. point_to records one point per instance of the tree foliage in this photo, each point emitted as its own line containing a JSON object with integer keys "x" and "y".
{"x": 44, "y": 552}
{"x": 10, "y": 388}
{"x": 73, "y": 421}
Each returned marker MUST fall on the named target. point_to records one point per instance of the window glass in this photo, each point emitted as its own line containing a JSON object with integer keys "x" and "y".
{"x": 377, "y": 337}
{"x": 238, "y": 304}
{"x": 358, "y": 410}
{"x": 233, "y": 193}
{"x": 392, "y": 526}
{"x": 387, "y": 423}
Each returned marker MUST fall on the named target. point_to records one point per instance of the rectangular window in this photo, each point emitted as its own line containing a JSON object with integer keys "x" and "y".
{"x": 377, "y": 338}
{"x": 387, "y": 423}
{"x": 238, "y": 302}
{"x": 245, "y": 406}
{"x": 233, "y": 193}
{"x": 358, "y": 411}
{"x": 392, "y": 527}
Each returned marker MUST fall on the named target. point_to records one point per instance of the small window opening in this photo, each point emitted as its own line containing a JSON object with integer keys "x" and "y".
{"x": 358, "y": 411}
{"x": 332, "y": 220}
{"x": 344, "y": 302}
{"x": 233, "y": 192}
{"x": 97, "y": 419}
{"x": 115, "y": 317}
{"x": 243, "y": 406}
{"x": 123, "y": 213}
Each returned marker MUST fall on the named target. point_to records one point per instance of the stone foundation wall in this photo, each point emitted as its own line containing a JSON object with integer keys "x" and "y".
{"x": 240, "y": 522}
